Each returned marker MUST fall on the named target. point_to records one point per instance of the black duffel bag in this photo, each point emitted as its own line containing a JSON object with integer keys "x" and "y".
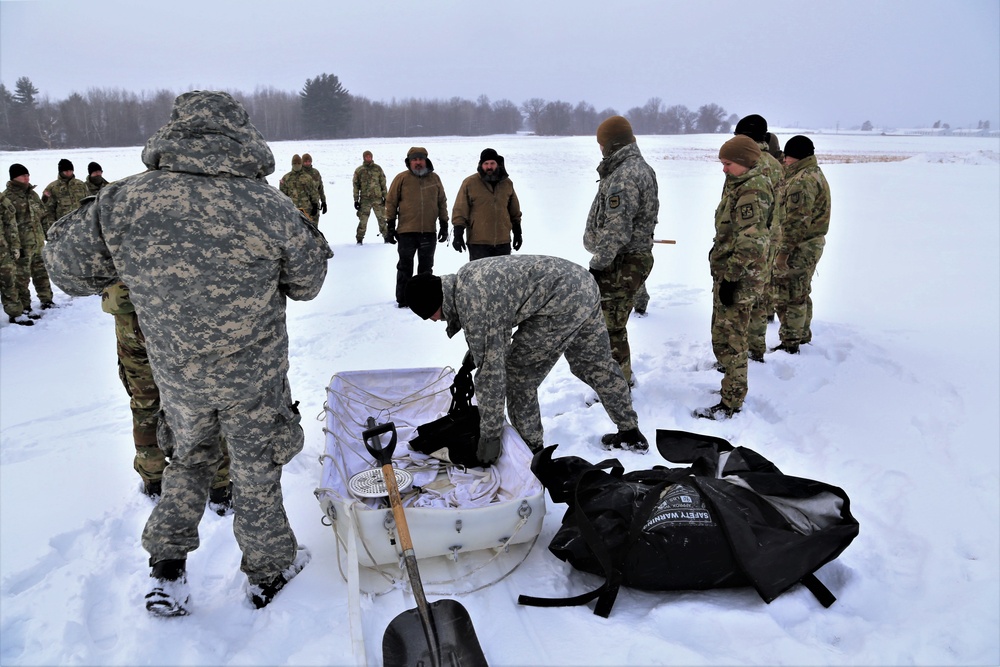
{"x": 731, "y": 518}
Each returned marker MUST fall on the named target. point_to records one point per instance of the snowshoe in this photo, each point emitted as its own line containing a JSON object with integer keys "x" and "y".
{"x": 220, "y": 500}
{"x": 169, "y": 594}
{"x": 631, "y": 440}
{"x": 260, "y": 595}
{"x": 716, "y": 412}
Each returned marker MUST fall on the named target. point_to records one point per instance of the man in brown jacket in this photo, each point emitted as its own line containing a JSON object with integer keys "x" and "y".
{"x": 487, "y": 205}
{"x": 416, "y": 198}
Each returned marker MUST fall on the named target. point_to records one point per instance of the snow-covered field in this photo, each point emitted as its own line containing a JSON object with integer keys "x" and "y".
{"x": 896, "y": 401}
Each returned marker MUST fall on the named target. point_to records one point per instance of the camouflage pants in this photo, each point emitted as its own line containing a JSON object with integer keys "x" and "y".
{"x": 762, "y": 307}
{"x": 641, "y": 298}
{"x": 730, "y": 330}
{"x": 263, "y": 433}
{"x": 144, "y": 401}
{"x": 618, "y": 285}
{"x": 365, "y": 209}
{"x": 793, "y": 302}
{"x": 12, "y": 305}
{"x": 31, "y": 269}
{"x": 537, "y": 346}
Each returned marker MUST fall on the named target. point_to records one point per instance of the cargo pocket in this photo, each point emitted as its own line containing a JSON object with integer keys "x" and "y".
{"x": 164, "y": 435}
{"x": 288, "y": 438}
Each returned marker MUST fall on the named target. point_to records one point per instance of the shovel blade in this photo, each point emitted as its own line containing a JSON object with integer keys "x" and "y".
{"x": 405, "y": 642}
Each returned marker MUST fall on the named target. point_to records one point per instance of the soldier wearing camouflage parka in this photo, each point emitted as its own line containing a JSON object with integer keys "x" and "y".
{"x": 755, "y": 127}
{"x": 807, "y": 220}
{"x": 369, "y": 196}
{"x": 210, "y": 257}
{"x": 95, "y": 179}
{"x": 738, "y": 261}
{"x": 553, "y": 308}
{"x": 307, "y": 166}
{"x": 619, "y": 230}
{"x": 302, "y": 190}
{"x": 10, "y": 251}
{"x": 29, "y": 213}
{"x": 62, "y": 195}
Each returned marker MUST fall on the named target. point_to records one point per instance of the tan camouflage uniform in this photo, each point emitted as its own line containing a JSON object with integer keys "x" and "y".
{"x": 210, "y": 259}
{"x": 553, "y": 306}
{"x": 94, "y": 185}
{"x": 807, "y": 220}
{"x": 369, "y": 197}
{"x": 30, "y": 267}
{"x": 60, "y": 197}
{"x": 301, "y": 189}
{"x": 764, "y": 307}
{"x": 739, "y": 255}
{"x": 619, "y": 233}
{"x": 10, "y": 250}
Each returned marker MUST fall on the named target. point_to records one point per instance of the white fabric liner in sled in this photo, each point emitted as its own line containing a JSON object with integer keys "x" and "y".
{"x": 449, "y": 510}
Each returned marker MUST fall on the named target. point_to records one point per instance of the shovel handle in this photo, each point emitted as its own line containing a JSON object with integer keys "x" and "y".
{"x": 397, "y": 508}
{"x": 670, "y": 241}
{"x": 373, "y": 442}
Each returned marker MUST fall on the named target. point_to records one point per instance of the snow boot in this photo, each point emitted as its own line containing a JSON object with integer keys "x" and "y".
{"x": 22, "y": 319}
{"x": 33, "y": 315}
{"x": 716, "y": 412}
{"x": 756, "y": 356}
{"x": 719, "y": 367}
{"x": 631, "y": 440}
{"x": 169, "y": 594}
{"x": 153, "y": 488}
{"x": 790, "y": 348}
{"x": 220, "y": 500}
{"x": 260, "y": 595}
{"x": 48, "y": 304}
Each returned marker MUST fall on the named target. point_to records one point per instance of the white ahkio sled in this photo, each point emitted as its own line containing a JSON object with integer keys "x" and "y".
{"x": 470, "y": 519}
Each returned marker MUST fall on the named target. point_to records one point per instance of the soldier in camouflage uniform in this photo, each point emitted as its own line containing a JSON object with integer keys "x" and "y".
{"x": 210, "y": 260}
{"x": 62, "y": 195}
{"x": 95, "y": 178}
{"x": 144, "y": 400}
{"x": 301, "y": 189}
{"x": 738, "y": 261}
{"x": 30, "y": 267}
{"x": 807, "y": 220}
{"x": 10, "y": 251}
{"x": 554, "y": 305}
{"x": 307, "y": 166}
{"x": 369, "y": 196}
{"x": 619, "y": 230}
{"x": 755, "y": 127}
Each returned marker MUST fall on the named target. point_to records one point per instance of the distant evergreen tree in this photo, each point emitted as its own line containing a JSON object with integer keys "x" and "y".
{"x": 711, "y": 118}
{"x": 326, "y": 107}
{"x": 867, "y": 126}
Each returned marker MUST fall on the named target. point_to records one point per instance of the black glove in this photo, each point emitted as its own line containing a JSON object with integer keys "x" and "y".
{"x": 323, "y": 208}
{"x": 727, "y": 292}
{"x": 443, "y": 232}
{"x": 518, "y": 240}
{"x": 314, "y": 211}
{"x": 459, "y": 242}
{"x": 390, "y": 232}
{"x": 488, "y": 450}
{"x": 357, "y": 206}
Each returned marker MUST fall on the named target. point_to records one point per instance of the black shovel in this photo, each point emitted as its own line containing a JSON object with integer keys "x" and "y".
{"x": 439, "y": 634}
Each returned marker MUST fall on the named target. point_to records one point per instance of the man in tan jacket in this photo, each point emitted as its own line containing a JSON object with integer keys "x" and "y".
{"x": 416, "y": 199}
{"x": 487, "y": 206}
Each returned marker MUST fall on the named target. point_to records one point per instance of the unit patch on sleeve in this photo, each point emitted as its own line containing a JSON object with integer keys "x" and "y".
{"x": 746, "y": 211}
{"x": 614, "y": 201}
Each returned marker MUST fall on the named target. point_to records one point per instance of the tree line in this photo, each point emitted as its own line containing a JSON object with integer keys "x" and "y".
{"x": 323, "y": 109}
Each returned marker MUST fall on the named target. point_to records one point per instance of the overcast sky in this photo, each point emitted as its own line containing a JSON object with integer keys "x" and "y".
{"x": 902, "y": 63}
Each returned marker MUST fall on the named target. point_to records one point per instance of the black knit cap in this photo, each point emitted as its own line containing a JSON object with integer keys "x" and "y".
{"x": 799, "y": 147}
{"x": 753, "y": 126}
{"x": 424, "y": 295}
{"x": 92, "y": 167}
{"x": 488, "y": 154}
{"x": 17, "y": 170}
{"x": 65, "y": 165}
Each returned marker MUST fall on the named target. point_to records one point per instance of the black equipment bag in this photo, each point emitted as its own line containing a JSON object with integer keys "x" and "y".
{"x": 454, "y": 437}
{"x": 730, "y": 518}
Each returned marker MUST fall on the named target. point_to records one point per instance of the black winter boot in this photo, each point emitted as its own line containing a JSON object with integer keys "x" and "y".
{"x": 169, "y": 593}
{"x": 631, "y": 440}
{"x": 260, "y": 595}
{"x": 716, "y": 412}
{"x": 220, "y": 500}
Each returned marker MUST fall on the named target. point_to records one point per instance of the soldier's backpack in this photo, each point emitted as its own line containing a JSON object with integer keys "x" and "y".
{"x": 454, "y": 437}
{"x": 730, "y": 518}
